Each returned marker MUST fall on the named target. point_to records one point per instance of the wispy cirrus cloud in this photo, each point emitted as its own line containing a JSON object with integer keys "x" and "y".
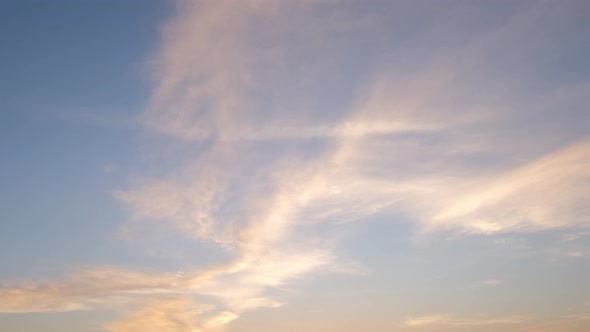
{"x": 377, "y": 152}
{"x": 171, "y": 314}
{"x": 440, "y": 134}
{"x": 401, "y": 144}
{"x": 89, "y": 289}
{"x": 575, "y": 322}
{"x": 451, "y": 320}
{"x": 542, "y": 194}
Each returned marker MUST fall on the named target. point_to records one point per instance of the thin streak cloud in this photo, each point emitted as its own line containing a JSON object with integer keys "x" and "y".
{"x": 442, "y": 320}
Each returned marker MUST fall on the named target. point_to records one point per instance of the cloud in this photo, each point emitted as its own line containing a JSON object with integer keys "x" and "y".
{"x": 241, "y": 285}
{"x": 286, "y": 119}
{"x": 543, "y": 194}
{"x": 583, "y": 316}
{"x": 204, "y": 71}
{"x": 564, "y": 323}
{"x": 108, "y": 168}
{"x": 443, "y": 319}
{"x": 96, "y": 287}
{"x": 492, "y": 282}
{"x": 245, "y": 85}
{"x": 574, "y": 236}
{"x": 36, "y": 298}
{"x": 166, "y": 314}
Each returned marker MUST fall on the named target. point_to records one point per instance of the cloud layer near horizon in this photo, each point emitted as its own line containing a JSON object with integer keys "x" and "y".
{"x": 282, "y": 117}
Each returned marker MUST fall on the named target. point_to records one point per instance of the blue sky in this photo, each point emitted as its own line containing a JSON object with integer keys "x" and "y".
{"x": 266, "y": 165}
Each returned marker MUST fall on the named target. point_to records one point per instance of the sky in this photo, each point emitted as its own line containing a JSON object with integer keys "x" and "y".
{"x": 283, "y": 165}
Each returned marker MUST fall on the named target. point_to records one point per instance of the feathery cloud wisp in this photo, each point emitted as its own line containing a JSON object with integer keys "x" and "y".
{"x": 246, "y": 86}
{"x": 402, "y": 144}
{"x": 422, "y": 321}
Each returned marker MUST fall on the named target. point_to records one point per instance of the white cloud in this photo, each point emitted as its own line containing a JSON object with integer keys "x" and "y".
{"x": 163, "y": 315}
{"x": 545, "y": 193}
{"x": 97, "y": 287}
{"x": 444, "y": 319}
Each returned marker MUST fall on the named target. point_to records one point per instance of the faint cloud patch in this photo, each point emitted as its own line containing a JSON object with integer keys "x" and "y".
{"x": 492, "y": 282}
{"x": 447, "y": 319}
{"x": 108, "y": 168}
